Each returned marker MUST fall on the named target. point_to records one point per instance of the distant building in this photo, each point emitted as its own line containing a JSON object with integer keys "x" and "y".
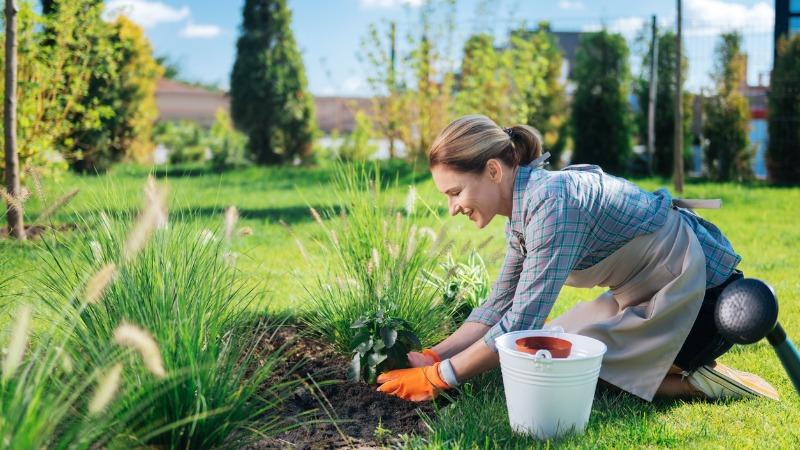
{"x": 181, "y": 101}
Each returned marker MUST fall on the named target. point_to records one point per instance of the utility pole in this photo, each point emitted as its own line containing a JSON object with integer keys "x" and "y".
{"x": 678, "y": 151}
{"x": 16, "y": 227}
{"x": 651, "y": 102}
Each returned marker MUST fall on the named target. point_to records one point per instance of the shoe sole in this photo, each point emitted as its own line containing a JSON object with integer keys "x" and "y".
{"x": 743, "y": 383}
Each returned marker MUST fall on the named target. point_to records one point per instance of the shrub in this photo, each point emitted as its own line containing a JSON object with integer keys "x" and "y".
{"x": 228, "y": 146}
{"x": 377, "y": 258}
{"x": 184, "y": 140}
{"x": 181, "y": 286}
{"x": 463, "y": 285}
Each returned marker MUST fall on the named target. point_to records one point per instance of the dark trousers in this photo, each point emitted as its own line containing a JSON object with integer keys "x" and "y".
{"x": 704, "y": 343}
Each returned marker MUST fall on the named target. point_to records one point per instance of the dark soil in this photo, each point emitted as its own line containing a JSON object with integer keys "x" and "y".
{"x": 338, "y": 413}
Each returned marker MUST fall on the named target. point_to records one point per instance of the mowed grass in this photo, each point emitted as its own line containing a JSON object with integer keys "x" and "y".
{"x": 763, "y": 223}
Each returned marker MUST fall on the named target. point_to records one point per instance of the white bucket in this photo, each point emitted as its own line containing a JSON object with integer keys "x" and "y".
{"x": 548, "y": 397}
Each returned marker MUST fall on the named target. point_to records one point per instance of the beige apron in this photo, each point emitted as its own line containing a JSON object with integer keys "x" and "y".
{"x": 657, "y": 283}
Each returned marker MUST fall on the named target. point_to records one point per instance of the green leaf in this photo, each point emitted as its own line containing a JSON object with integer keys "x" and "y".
{"x": 375, "y": 358}
{"x": 411, "y": 338}
{"x": 388, "y": 336}
{"x": 372, "y": 374}
{"x": 360, "y": 323}
{"x": 378, "y": 346}
{"x": 364, "y": 347}
{"x": 354, "y": 372}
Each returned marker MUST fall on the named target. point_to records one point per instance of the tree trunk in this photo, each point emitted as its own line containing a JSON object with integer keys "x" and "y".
{"x": 16, "y": 228}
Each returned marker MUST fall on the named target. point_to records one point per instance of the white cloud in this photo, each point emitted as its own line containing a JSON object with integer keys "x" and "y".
{"x": 710, "y": 17}
{"x": 145, "y": 13}
{"x": 570, "y": 4}
{"x": 353, "y": 85}
{"x": 390, "y": 3}
{"x": 192, "y": 31}
{"x": 627, "y": 26}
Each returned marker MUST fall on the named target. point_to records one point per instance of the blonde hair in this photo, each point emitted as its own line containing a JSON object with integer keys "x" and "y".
{"x": 470, "y": 141}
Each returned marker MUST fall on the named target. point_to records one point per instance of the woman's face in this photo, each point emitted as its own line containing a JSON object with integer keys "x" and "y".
{"x": 477, "y": 196}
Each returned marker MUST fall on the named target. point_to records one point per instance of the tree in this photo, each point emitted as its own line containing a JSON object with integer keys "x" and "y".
{"x": 600, "y": 111}
{"x": 14, "y": 213}
{"x": 482, "y": 82}
{"x": 114, "y": 118}
{"x": 269, "y": 99}
{"x": 547, "y": 111}
{"x": 727, "y": 115}
{"x": 412, "y": 90}
{"x": 663, "y": 164}
{"x": 54, "y": 68}
{"x": 783, "y": 151}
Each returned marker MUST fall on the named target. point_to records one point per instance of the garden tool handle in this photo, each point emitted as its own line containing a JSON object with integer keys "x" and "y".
{"x": 696, "y": 203}
{"x": 787, "y": 353}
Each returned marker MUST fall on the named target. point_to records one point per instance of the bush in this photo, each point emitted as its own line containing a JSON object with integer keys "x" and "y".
{"x": 181, "y": 286}
{"x": 228, "y": 146}
{"x": 377, "y": 258}
{"x": 356, "y": 145}
{"x": 189, "y": 142}
{"x": 183, "y": 139}
{"x": 463, "y": 285}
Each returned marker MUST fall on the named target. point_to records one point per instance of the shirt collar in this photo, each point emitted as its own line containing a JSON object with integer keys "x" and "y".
{"x": 519, "y": 200}
{"x": 520, "y": 187}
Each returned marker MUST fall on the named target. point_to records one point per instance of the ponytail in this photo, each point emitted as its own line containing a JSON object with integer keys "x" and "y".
{"x": 467, "y": 143}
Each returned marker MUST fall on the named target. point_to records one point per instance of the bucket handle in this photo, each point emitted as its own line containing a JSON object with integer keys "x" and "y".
{"x": 543, "y": 354}
{"x": 554, "y": 329}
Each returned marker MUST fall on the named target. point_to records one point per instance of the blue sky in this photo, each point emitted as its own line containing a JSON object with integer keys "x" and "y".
{"x": 201, "y": 34}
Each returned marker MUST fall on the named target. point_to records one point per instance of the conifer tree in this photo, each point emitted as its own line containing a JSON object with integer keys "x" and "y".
{"x": 601, "y": 117}
{"x": 269, "y": 98}
{"x": 663, "y": 156}
{"x": 783, "y": 152}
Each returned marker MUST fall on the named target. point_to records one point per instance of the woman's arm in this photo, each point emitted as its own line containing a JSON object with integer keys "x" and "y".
{"x": 476, "y": 359}
{"x": 466, "y": 335}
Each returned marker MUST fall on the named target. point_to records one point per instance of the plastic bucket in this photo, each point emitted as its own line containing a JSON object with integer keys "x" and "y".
{"x": 548, "y": 397}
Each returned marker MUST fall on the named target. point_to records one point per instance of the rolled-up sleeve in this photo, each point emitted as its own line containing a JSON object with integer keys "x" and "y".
{"x": 492, "y": 309}
{"x": 556, "y": 239}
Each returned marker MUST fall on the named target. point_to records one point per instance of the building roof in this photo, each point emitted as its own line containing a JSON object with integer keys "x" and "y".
{"x": 181, "y": 101}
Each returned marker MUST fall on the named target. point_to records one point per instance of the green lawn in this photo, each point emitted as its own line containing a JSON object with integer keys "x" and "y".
{"x": 762, "y": 223}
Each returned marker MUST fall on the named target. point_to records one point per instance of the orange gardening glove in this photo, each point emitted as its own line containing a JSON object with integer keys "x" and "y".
{"x": 424, "y": 358}
{"x": 416, "y": 384}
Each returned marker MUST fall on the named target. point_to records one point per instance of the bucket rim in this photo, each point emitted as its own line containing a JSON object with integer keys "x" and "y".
{"x": 524, "y": 333}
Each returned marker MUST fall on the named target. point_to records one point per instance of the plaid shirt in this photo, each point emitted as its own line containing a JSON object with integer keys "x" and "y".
{"x": 572, "y": 219}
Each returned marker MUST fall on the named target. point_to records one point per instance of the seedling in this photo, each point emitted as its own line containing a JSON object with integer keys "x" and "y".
{"x": 380, "y": 344}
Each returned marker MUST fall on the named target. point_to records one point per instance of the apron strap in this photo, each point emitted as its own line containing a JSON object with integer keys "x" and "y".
{"x": 540, "y": 161}
{"x": 693, "y": 203}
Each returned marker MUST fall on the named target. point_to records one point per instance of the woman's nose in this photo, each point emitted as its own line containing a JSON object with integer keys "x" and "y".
{"x": 452, "y": 207}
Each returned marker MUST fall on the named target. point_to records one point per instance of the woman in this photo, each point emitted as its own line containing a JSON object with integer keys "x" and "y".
{"x": 664, "y": 265}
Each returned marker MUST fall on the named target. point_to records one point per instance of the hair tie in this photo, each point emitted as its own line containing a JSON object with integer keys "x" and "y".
{"x": 509, "y": 132}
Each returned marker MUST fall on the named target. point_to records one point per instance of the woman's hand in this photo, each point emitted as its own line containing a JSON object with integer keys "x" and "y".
{"x": 426, "y": 357}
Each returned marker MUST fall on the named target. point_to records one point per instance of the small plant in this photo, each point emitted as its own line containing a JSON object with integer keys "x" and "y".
{"x": 380, "y": 344}
{"x": 375, "y": 255}
{"x": 464, "y": 285}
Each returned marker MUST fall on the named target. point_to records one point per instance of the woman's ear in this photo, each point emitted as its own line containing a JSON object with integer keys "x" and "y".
{"x": 494, "y": 170}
